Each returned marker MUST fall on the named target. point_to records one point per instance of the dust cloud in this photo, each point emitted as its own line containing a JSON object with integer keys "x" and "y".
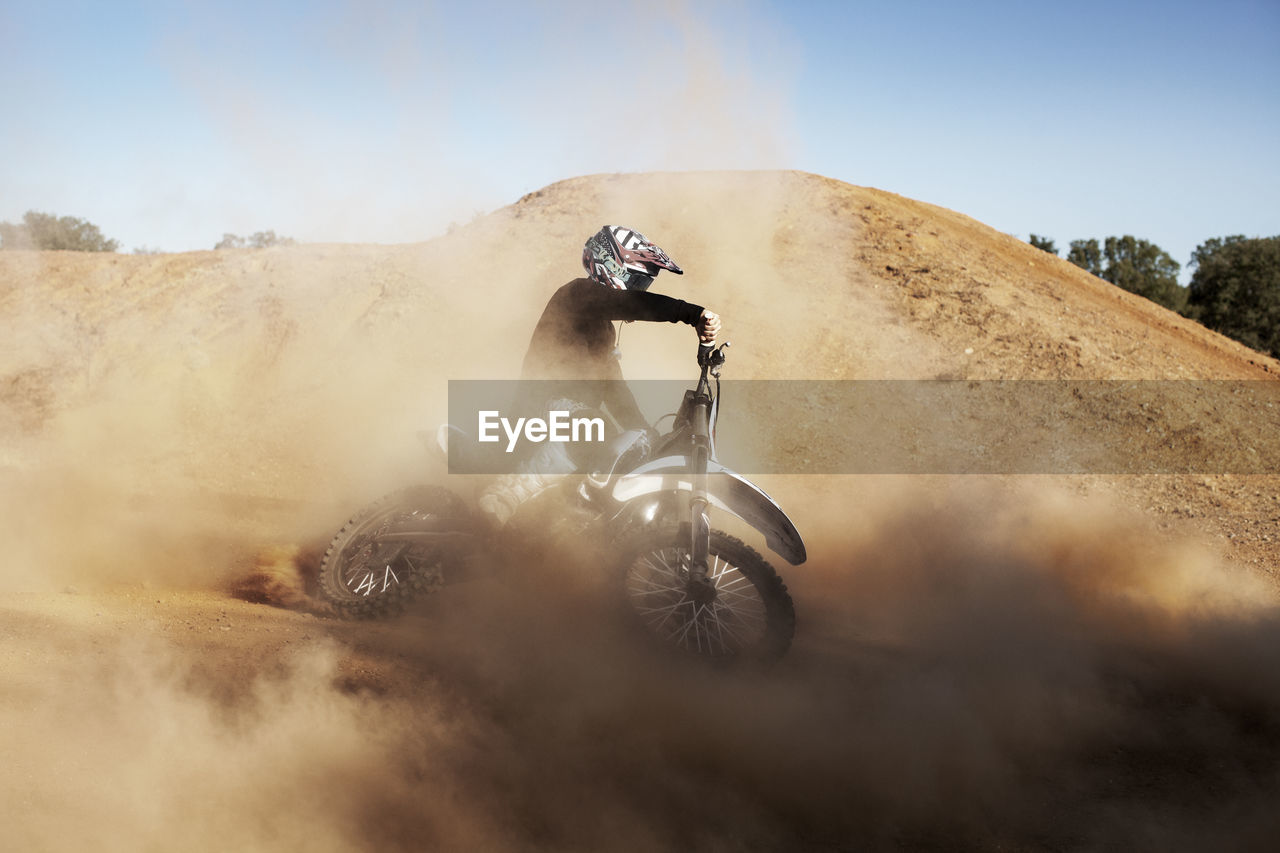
{"x": 415, "y": 117}
{"x": 1011, "y": 672}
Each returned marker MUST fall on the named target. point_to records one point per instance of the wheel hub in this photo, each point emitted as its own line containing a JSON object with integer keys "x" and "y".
{"x": 701, "y": 590}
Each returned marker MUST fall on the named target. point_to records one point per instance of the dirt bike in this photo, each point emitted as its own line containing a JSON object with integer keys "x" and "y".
{"x": 649, "y": 501}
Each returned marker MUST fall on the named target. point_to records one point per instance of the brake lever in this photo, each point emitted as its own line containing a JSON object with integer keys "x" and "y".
{"x": 717, "y": 359}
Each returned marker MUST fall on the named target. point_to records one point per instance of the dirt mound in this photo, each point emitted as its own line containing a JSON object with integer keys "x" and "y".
{"x": 242, "y": 394}
{"x": 972, "y": 651}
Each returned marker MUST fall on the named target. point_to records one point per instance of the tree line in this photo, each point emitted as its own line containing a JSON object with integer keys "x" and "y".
{"x": 44, "y": 231}
{"x": 1234, "y": 288}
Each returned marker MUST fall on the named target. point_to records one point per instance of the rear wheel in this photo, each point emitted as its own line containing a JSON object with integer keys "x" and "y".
{"x": 742, "y": 611}
{"x": 365, "y": 576}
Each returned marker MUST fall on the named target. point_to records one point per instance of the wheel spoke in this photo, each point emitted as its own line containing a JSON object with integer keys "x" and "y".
{"x": 653, "y": 589}
{"x": 749, "y": 590}
{"x": 366, "y": 584}
{"x": 689, "y": 623}
{"x": 389, "y": 578}
{"x": 667, "y": 609}
{"x": 752, "y": 621}
{"x": 732, "y": 633}
{"x": 654, "y": 586}
{"x": 719, "y": 629}
{"x": 664, "y": 567}
{"x": 735, "y": 584}
{"x": 657, "y": 624}
{"x": 739, "y": 603}
{"x": 418, "y": 563}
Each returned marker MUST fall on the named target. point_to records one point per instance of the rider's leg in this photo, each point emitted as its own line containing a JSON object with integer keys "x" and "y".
{"x": 508, "y": 492}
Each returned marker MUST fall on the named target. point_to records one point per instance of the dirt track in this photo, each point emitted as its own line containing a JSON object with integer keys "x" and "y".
{"x": 987, "y": 662}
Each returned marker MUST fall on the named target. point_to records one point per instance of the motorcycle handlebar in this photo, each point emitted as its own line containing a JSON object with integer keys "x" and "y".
{"x": 709, "y": 355}
{"x": 704, "y": 353}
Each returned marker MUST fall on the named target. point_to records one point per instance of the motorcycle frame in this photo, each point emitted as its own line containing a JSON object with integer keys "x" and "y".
{"x": 684, "y": 464}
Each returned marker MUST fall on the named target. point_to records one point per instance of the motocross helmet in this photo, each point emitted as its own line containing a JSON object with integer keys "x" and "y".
{"x": 620, "y": 258}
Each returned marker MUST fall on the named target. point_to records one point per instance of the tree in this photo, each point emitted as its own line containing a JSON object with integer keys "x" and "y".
{"x": 1235, "y": 289}
{"x": 257, "y": 240}
{"x": 1143, "y": 268}
{"x": 1086, "y": 255}
{"x": 45, "y": 231}
{"x": 1044, "y": 244}
{"x": 1138, "y": 266}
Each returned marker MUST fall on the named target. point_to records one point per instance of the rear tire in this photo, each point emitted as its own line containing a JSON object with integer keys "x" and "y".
{"x": 750, "y": 616}
{"x": 362, "y": 577}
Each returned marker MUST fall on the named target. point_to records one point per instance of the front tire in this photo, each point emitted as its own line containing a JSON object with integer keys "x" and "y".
{"x": 743, "y": 613}
{"x": 365, "y": 577}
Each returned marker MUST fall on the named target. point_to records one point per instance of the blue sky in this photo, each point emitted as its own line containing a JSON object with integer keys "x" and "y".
{"x": 168, "y": 124}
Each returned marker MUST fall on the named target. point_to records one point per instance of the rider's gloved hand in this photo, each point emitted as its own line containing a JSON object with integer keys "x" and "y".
{"x": 708, "y": 327}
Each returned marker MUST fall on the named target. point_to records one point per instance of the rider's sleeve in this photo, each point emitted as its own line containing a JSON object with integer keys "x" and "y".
{"x": 640, "y": 305}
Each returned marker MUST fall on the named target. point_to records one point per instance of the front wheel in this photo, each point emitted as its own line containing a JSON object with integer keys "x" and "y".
{"x": 741, "y": 612}
{"x": 366, "y": 575}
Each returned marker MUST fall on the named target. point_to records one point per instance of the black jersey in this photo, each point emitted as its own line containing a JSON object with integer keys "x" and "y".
{"x": 575, "y": 340}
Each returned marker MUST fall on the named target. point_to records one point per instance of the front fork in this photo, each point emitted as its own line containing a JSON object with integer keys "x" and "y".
{"x": 701, "y": 587}
{"x": 699, "y": 520}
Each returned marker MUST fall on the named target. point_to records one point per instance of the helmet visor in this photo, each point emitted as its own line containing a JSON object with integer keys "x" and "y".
{"x": 638, "y": 281}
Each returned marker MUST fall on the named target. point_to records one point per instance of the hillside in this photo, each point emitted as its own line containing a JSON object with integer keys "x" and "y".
{"x": 301, "y": 374}
{"x": 983, "y": 645}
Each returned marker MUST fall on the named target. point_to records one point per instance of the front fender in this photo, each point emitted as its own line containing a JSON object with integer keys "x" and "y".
{"x": 727, "y": 490}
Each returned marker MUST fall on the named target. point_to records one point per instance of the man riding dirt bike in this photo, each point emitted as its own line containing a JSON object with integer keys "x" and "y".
{"x": 639, "y": 506}
{"x": 575, "y": 346}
